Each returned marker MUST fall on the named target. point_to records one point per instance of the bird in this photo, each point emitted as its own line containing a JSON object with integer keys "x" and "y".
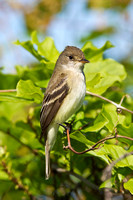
{"x": 63, "y": 97}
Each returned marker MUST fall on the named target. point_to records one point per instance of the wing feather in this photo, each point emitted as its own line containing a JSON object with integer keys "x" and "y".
{"x": 52, "y": 102}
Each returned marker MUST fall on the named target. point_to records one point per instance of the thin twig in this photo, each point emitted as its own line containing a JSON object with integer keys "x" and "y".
{"x": 34, "y": 151}
{"x": 11, "y": 90}
{"x": 84, "y": 126}
{"x": 16, "y": 181}
{"x": 71, "y": 148}
{"x": 94, "y": 146}
{"x": 61, "y": 170}
{"x": 107, "y": 171}
{"x": 118, "y": 106}
{"x": 125, "y": 137}
{"x": 126, "y": 95}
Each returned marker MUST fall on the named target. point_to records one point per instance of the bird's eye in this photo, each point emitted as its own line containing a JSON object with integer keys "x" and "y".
{"x": 70, "y": 57}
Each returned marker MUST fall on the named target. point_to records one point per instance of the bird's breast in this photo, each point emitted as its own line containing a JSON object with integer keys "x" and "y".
{"x": 74, "y": 99}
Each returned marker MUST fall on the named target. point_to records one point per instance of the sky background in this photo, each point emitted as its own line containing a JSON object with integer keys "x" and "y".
{"x": 67, "y": 27}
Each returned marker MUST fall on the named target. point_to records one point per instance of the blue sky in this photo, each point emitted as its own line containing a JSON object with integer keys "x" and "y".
{"x": 66, "y": 28}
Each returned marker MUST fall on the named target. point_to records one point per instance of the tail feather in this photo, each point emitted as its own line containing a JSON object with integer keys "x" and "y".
{"x": 47, "y": 160}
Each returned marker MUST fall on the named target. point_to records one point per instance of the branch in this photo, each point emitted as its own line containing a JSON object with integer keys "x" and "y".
{"x": 16, "y": 181}
{"x": 108, "y": 194}
{"x": 107, "y": 171}
{"x": 118, "y": 106}
{"x": 61, "y": 170}
{"x": 34, "y": 151}
{"x": 70, "y": 147}
{"x": 94, "y": 146}
{"x": 12, "y": 90}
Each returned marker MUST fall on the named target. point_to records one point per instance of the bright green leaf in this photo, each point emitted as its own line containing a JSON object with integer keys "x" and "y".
{"x": 34, "y": 37}
{"x": 81, "y": 138}
{"x": 109, "y": 111}
{"x": 13, "y": 98}
{"x": 115, "y": 152}
{"x": 94, "y": 54}
{"x": 29, "y": 90}
{"x": 129, "y": 185}
{"x": 48, "y": 50}
{"x": 103, "y": 74}
{"x": 125, "y": 130}
{"x": 106, "y": 184}
{"x": 29, "y": 47}
{"x": 99, "y": 123}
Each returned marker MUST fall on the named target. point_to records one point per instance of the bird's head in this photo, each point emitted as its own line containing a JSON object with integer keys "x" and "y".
{"x": 72, "y": 57}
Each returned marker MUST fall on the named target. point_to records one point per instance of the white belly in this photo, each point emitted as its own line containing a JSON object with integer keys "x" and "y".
{"x": 73, "y": 100}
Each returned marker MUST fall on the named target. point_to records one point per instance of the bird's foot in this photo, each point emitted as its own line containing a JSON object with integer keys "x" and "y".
{"x": 67, "y": 126}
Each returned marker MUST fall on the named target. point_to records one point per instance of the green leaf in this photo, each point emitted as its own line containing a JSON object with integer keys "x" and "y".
{"x": 81, "y": 138}
{"x": 125, "y": 130}
{"x": 109, "y": 111}
{"x": 3, "y": 176}
{"x": 100, "y": 153}
{"x": 95, "y": 79}
{"x": 34, "y": 37}
{"x": 8, "y": 81}
{"x": 11, "y": 110}
{"x": 13, "y": 98}
{"x": 106, "y": 184}
{"x": 29, "y": 47}
{"x": 129, "y": 185}
{"x": 29, "y": 90}
{"x": 103, "y": 74}
{"x": 99, "y": 123}
{"x": 14, "y": 194}
{"x": 42, "y": 84}
{"x": 40, "y": 73}
{"x": 44, "y": 51}
{"x": 94, "y": 54}
{"x": 48, "y": 50}
{"x": 5, "y": 186}
{"x": 80, "y": 115}
{"x": 115, "y": 152}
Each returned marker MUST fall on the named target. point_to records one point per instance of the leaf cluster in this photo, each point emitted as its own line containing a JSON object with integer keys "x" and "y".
{"x": 22, "y": 174}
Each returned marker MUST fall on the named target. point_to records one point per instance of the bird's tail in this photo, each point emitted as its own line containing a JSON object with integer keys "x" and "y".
{"x": 47, "y": 160}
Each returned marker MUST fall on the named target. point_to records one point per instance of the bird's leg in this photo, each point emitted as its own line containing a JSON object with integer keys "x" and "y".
{"x": 67, "y": 126}
{"x": 67, "y": 131}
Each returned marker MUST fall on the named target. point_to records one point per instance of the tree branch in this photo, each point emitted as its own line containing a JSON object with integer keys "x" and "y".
{"x": 93, "y": 146}
{"x": 11, "y": 90}
{"x": 16, "y": 181}
{"x": 108, "y": 194}
{"x": 107, "y": 171}
{"x": 61, "y": 170}
{"x": 118, "y": 106}
{"x": 34, "y": 151}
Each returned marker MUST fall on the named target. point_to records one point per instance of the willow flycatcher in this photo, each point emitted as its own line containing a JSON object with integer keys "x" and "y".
{"x": 63, "y": 97}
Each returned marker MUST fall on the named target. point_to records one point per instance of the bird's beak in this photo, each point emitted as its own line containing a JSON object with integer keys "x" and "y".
{"x": 84, "y": 61}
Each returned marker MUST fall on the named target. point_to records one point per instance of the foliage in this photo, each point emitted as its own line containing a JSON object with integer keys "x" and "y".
{"x": 109, "y": 4}
{"x": 21, "y": 152}
{"x": 38, "y": 15}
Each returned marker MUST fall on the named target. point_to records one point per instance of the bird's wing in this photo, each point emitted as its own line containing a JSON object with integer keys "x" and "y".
{"x": 53, "y": 98}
